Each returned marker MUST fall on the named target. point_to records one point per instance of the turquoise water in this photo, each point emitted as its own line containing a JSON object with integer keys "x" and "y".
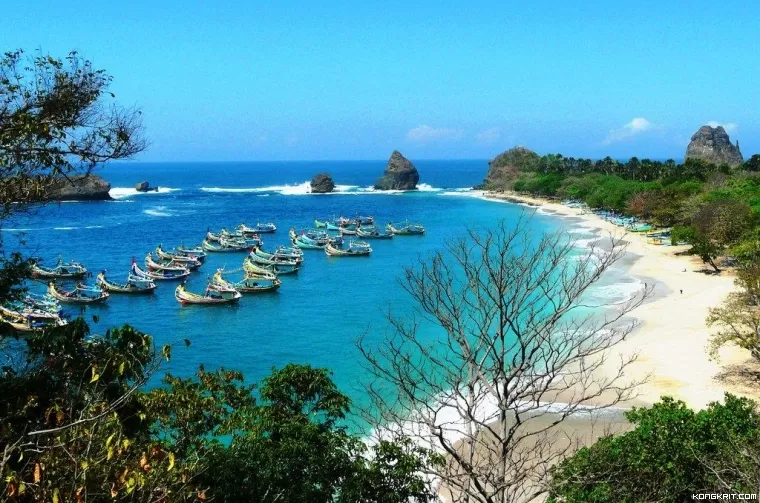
{"x": 318, "y": 314}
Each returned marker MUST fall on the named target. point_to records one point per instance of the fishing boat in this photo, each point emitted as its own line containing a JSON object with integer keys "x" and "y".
{"x": 61, "y": 270}
{"x": 344, "y": 222}
{"x": 362, "y": 220}
{"x": 81, "y": 294}
{"x": 354, "y": 249}
{"x": 212, "y": 237}
{"x": 227, "y": 246}
{"x": 283, "y": 267}
{"x": 158, "y": 275}
{"x": 36, "y": 302}
{"x": 371, "y": 232}
{"x": 192, "y": 251}
{"x": 252, "y": 267}
{"x": 180, "y": 257}
{"x": 320, "y": 224}
{"x": 214, "y": 294}
{"x": 279, "y": 256}
{"x": 134, "y": 284}
{"x": 312, "y": 239}
{"x": 236, "y": 239}
{"x": 29, "y": 320}
{"x": 169, "y": 266}
{"x": 332, "y": 226}
{"x": 406, "y": 229}
{"x": 259, "y": 228}
{"x": 251, "y": 283}
{"x": 289, "y": 251}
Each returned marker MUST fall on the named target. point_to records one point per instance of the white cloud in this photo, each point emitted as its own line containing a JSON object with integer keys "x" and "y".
{"x": 488, "y": 136}
{"x": 426, "y": 134}
{"x": 730, "y": 127}
{"x": 637, "y": 126}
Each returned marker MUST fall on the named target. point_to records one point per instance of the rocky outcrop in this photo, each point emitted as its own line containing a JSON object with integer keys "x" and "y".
{"x": 322, "y": 184}
{"x": 80, "y": 188}
{"x": 400, "y": 174}
{"x": 505, "y": 168}
{"x": 145, "y": 187}
{"x": 712, "y": 144}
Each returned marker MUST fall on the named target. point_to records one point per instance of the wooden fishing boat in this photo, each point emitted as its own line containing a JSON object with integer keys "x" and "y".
{"x": 180, "y": 257}
{"x": 220, "y": 248}
{"x": 371, "y": 232}
{"x": 354, "y": 249}
{"x": 320, "y": 224}
{"x": 169, "y": 266}
{"x": 348, "y": 231}
{"x": 214, "y": 294}
{"x": 61, "y": 270}
{"x": 406, "y": 229}
{"x": 362, "y": 220}
{"x": 81, "y": 294}
{"x": 285, "y": 257}
{"x": 159, "y": 275}
{"x": 343, "y": 222}
{"x": 332, "y": 226}
{"x": 259, "y": 228}
{"x": 250, "y": 283}
{"x": 135, "y": 284}
{"x": 30, "y": 320}
{"x": 289, "y": 251}
{"x": 212, "y": 237}
{"x": 282, "y": 266}
{"x": 193, "y": 251}
{"x": 262, "y": 269}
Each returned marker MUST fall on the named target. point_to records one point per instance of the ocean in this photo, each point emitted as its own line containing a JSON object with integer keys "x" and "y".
{"x": 318, "y": 314}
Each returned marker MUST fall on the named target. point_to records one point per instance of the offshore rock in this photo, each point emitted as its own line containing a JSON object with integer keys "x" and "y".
{"x": 80, "y": 188}
{"x": 322, "y": 184}
{"x": 712, "y": 144}
{"x": 145, "y": 187}
{"x": 505, "y": 168}
{"x": 400, "y": 174}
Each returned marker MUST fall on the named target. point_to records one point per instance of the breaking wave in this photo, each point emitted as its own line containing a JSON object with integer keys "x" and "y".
{"x": 124, "y": 192}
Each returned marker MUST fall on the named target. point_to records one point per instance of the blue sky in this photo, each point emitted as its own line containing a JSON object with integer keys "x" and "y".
{"x": 354, "y": 80}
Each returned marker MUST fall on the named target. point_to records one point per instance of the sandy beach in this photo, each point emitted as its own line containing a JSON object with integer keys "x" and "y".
{"x": 672, "y": 340}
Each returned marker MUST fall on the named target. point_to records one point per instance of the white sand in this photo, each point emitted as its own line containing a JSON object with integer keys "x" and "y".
{"x": 673, "y": 338}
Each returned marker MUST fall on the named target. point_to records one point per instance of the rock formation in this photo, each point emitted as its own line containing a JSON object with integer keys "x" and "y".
{"x": 80, "y": 188}
{"x": 145, "y": 187}
{"x": 711, "y": 144}
{"x": 505, "y": 168}
{"x": 322, "y": 184}
{"x": 400, "y": 174}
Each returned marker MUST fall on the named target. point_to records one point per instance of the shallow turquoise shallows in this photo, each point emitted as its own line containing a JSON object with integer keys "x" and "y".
{"x": 317, "y": 314}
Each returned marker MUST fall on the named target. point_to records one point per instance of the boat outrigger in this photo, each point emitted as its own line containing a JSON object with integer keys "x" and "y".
{"x": 134, "y": 284}
{"x": 61, "y": 270}
{"x": 214, "y": 294}
{"x": 406, "y": 229}
{"x": 251, "y": 283}
{"x": 354, "y": 249}
{"x": 81, "y": 294}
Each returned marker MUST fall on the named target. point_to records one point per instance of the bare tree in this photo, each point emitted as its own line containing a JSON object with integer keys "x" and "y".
{"x": 519, "y": 351}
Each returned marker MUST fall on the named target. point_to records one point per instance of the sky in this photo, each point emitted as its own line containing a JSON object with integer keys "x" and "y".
{"x": 297, "y": 80}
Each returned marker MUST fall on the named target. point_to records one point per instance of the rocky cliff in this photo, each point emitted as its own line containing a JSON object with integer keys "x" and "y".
{"x": 505, "y": 168}
{"x": 322, "y": 183}
{"x": 80, "y": 188}
{"x": 712, "y": 144}
{"x": 400, "y": 174}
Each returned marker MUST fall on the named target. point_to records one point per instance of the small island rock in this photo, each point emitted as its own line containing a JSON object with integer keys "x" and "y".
{"x": 145, "y": 187}
{"x": 504, "y": 169}
{"x": 322, "y": 183}
{"x": 712, "y": 144}
{"x": 400, "y": 174}
{"x": 80, "y": 188}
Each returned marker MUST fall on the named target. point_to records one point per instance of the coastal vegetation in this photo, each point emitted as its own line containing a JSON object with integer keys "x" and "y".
{"x": 80, "y": 422}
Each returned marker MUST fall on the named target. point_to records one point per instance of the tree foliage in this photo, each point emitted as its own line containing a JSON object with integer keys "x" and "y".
{"x": 671, "y": 454}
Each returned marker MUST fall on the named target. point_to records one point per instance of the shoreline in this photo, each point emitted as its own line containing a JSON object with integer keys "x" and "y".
{"x": 672, "y": 338}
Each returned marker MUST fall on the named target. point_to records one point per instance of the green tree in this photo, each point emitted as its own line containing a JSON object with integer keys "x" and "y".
{"x": 672, "y": 453}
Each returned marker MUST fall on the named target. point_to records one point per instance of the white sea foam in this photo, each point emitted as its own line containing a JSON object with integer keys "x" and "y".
{"x": 158, "y": 211}
{"x": 123, "y": 192}
{"x": 304, "y": 188}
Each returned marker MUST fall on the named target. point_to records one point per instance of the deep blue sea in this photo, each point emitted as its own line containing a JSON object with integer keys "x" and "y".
{"x": 317, "y": 314}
